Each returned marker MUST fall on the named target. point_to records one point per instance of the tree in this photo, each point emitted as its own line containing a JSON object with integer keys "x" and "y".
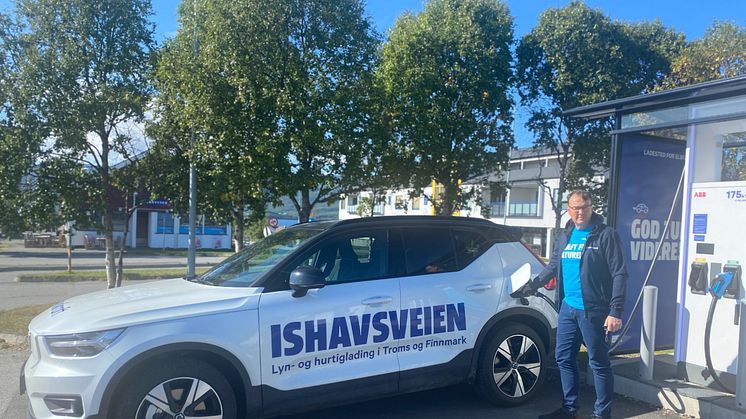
{"x": 446, "y": 75}
{"x": 85, "y": 66}
{"x": 225, "y": 95}
{"x": 17, "y": 152}
{"x": 577, "y": 56}
{"x": 720, "y": 53}
{"x": 326, "y": 62}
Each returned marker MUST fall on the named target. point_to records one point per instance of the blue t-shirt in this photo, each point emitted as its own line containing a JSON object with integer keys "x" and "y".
{"x": 571, "y": 268}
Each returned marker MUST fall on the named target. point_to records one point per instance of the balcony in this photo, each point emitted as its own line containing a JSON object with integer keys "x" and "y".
{"x": 525, "y": 209}
{"x": 496, "y": 209}
{"x": 377, "y": 210}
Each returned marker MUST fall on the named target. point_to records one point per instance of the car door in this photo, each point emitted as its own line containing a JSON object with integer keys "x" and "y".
{"x": 451, "y": 287}
{"x": 313, "y": 346}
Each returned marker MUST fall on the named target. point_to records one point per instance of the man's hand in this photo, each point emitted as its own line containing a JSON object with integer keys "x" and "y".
{"x": 524, "y": 291}
{"x": 612, "y": 324}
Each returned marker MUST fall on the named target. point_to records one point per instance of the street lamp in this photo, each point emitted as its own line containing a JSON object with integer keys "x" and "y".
{"x": 191, "y": 252}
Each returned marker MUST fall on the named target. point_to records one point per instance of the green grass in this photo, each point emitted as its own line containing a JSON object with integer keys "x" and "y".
{"x": 15, "y": 321}
{"x": 129, "y": 274}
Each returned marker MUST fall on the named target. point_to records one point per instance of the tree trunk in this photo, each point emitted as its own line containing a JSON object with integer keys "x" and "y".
{"x": 109, "y": 240}
{"x": 108, "y": 220}
{"x": 120, "y": 265}
{"x": 69, "y": 253}
{"x": 558, "y": 206}
{"x": 238, "y": 230}
{"x": 304, "y": 213}
{"x": 450, "y": 202}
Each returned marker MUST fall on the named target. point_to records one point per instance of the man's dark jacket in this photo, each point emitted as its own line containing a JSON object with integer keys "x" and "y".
{"x": 603, "y": 274}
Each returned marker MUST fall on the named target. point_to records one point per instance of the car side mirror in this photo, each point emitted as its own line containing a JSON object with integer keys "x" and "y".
{"x": 306, "y": 278}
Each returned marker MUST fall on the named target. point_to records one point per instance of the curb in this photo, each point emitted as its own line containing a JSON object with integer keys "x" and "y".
{"x": 35, "y": 277}
{"x": 678, "y": 396}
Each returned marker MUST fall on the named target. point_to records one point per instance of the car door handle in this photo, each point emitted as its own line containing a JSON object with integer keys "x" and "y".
{"x": 377, "y": 301}
{"x": 479, "y": 287}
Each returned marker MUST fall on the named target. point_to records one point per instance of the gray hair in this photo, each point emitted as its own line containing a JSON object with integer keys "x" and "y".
{"x": 584, "y": 195}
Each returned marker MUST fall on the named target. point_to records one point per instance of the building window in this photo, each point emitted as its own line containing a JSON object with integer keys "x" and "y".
{"x": 555, "y": 191}
{"x": 400, "y": 203}
{"x": 165, "y": 223}
{"x": 416, "y": 204}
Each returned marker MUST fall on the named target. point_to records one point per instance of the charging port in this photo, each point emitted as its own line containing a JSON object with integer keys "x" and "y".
{"x": 698, "y": 277}
{"x": 735, "y": 284}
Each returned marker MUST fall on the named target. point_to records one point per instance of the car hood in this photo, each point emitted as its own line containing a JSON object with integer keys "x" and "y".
{"x": 141, "y": 303}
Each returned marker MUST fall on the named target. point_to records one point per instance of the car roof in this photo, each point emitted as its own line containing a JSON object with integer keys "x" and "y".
{"x": 504, "y": 233}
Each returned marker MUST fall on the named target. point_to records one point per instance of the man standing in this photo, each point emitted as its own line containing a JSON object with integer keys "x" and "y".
{"x": 272, "y": 227}
{"x": 588, "y": 263}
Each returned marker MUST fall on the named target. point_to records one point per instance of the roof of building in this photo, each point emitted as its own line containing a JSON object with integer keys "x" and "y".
{"x": 700, "y": 92}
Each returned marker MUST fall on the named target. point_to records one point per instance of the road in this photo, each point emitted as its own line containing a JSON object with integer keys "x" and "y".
{"x": 15, "y": 259}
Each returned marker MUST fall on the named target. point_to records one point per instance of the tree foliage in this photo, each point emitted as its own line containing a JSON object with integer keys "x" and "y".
{"x": 222, "y": 95}
{"x": 84, "y": 69}
{"x": 327, "y": 58}
{"x": 17, "y": 154}
{"x": 720, "y": 53}
{"x": 577, "y": 56}
{"x": 446, "y": 75}
{"x": 276, "y": 102}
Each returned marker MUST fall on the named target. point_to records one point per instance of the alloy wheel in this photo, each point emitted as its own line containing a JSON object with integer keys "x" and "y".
{"x": 516, "y": 366}
{"x": 181, "y": 398}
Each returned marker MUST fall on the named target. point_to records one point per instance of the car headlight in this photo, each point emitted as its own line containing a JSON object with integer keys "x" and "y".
{"x": 78, "y": 345}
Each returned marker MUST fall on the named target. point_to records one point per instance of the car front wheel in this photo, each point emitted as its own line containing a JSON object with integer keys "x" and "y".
{"x": 511, "y": 366}
{"x": 179, "y": 389}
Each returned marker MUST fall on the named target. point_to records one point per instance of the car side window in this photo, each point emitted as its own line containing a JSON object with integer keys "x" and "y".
{"x": 470, "y": 244}
{"x": 351, "y": 257}
{"x": 428, "y": 251}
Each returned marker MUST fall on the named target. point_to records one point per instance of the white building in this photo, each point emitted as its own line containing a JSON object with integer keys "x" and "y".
{"x": 533, "y": 179}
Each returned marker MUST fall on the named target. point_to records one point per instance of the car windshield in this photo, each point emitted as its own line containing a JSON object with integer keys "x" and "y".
{"x": 245, "y": 267}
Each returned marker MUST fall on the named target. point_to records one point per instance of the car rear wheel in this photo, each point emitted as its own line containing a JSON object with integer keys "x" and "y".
{"x": 512, "y": 365}
{"x": 180, "y": 389}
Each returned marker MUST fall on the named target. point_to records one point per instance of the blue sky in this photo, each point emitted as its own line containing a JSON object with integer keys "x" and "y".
{"x": 688, "y": 16}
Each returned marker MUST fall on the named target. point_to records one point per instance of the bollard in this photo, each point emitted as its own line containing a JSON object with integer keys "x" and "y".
{"x": 741, "y": 371}
{"x": 647, "y": 333}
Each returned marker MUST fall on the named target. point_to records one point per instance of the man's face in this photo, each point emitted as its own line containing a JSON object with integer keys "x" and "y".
{"x": 580, "y": 211}
{"x": 273, "y": 222}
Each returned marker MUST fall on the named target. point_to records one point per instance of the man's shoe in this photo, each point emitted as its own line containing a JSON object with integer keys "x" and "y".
{"x": 598, "y": 417}
{"x": 560, "y": 413}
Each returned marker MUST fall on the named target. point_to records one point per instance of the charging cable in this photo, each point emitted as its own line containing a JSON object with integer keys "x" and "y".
{"x": 717, "y": 290}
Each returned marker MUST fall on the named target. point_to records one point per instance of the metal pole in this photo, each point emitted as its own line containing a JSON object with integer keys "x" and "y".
{"x": 647, "y": 335}
{"x": 741, "y": 371}
{"x": 191, "y": 252}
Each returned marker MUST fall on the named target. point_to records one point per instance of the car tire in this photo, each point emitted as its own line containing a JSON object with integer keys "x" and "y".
{"x": 512, "y": 365}
{"x": 189, "y": 387}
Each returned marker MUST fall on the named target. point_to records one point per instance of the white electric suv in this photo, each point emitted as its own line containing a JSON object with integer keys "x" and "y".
{"x": 315, "y": 315}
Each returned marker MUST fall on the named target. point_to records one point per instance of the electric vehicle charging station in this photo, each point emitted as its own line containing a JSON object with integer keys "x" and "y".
{"x": 715, "y": 250}
{"x": 700, "y": 129}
